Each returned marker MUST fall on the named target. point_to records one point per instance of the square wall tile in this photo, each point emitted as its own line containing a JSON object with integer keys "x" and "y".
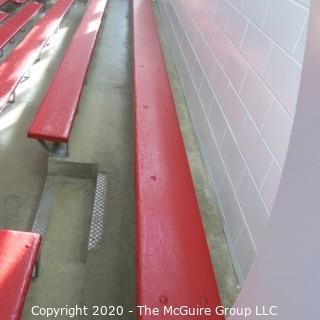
{"x": 301, "y": 45}
{"x": 236, "y": 27}
{"x": 222, "y": 13}
{"x": 218, "y": 82}
{"x": 254, "y": 210}
{"x": 284, "y": 22}
{"x": 270, "y": 186}
{"x": 256, "y": 10}
{"x": 208, "y": 27}
{"x": 217, "y": 122}
{"x": 282, "y": 75}
{"x": 256, "y": 97}
{"x": 306, "y": 3}
{"x": 210, "y": 7}
{"x": 276, "y": 132}
{"x": 256, "y": 48}
{"x": 234, "y": 111}
{"x": 187, "y": 50}
{"x": 221, "y": 47}
{"x": 237, "y": 3}
{"x": 231, "y": 210}
{"x": 206, "y": 59}
{"x": 254, "y": 151}
{"x": 245, "y": 251}
{"x": 197, "y": 73}
{"x": 202, "y": 126}
{"x": 215, "y": 165}
{"x": 206, "y": 95}
{"x": 232, "y": 158}
{"x": 235, "y": 68}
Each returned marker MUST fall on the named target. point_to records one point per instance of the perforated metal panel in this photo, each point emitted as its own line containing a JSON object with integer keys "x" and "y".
{"x": 41, "y": 221}
{"x": 96, "y": 228}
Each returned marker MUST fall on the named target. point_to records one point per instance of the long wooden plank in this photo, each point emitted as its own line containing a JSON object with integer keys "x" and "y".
{"x": 3, "y": 2}
{"x": 19, "y": 1}
{"x": 18, "y": 255}
{"x": 56, "y": 114}
{"x": 14, "y": 24}
{"x": 173, "y": 261}
{"x": 3, "y": 15}
{"x": 24, "y": 55}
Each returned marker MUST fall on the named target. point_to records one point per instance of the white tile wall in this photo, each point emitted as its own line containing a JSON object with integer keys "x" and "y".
{"x": 276, "y": 132}
{"x": 299, "y": 50}
{"x": 234, "y": 111}
{"x": 240, "y": 63}
{"x": 256, "y": 47}
{"x": 285, "y": 34}
{"x": 217, "y": 122}
{"x": 255, "y": 10}
{"x": 253, "y": 206}
{"x": 255, "y": 151}
{"x": 256, "y": 97}
{"x": 235, "y": 67}
{"x": 222, "y": 13}
{"x": 282, "y": 75}
{"x": 231, "y": 209}
{"x": 245, "y": 250}
{"x": 219, "y": 82}
{"x": 232, "y": 158}
{"x": 269, "y": 187}
{"x": 236, "y": 27}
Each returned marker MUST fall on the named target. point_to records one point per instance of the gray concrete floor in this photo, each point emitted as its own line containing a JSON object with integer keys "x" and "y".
{"x": 102, "y": 135}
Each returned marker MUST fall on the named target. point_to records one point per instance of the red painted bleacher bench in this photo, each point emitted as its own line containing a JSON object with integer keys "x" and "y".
{"x": 173, "y": 262}
{"x": 18, "y": 258}
{"x": 17, "y": 22}
{"x": 3, "y": 2}
{"x": 13, "y": 69}
{"x": 56, "y": 114}
{"x": 3, "y": 15}
{"x": 19, "y": 1}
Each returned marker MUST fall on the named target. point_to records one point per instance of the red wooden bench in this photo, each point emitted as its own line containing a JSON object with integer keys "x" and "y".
{"x": 173, "y": 261}
{"x": 23, "y": 56}
{"x": 17, "y": 22}
{"x": 3, "y": 2}
{"x": 3, "y": 15}
{"x": 18, "y": 257}
{"x": 56, "y": 114}
{"x": 19, "y": 1}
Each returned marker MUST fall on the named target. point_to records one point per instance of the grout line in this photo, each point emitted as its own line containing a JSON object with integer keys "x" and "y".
{"x": 300, "y": 35}
{"x": 264, "y": 19}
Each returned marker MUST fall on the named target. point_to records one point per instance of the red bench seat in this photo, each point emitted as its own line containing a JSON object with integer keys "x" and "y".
{"x": 14, "y": 24}
{"x": 18, "y": 256}
{"x": 56, "y": 114}
{"x": 19, "y": 1}
{"x": 23, "y": 56}
{"x": 3, "y": 2}
{"x": 173, "y": 261}
{"x": 3, "y": 15}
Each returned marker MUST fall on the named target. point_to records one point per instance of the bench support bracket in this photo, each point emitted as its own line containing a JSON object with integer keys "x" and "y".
{"x": 58, "y": 150}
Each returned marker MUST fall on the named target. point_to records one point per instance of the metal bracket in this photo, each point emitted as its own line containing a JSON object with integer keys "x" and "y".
{"x": 36, "y": 269}
{"x": 56, "y": 150}
{"x": 12, "y": 98}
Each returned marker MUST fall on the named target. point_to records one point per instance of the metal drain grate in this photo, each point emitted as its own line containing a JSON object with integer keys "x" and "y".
{"x": 41, "y": 220}
{"x": 96, "y": 227}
